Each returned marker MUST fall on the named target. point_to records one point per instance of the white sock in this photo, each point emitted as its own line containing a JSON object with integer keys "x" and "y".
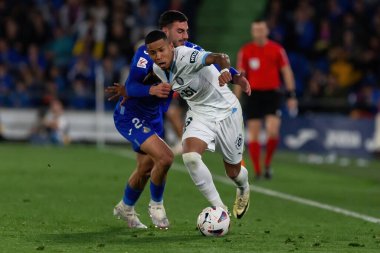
{"x": 127, "y": 207}
{"x": 155, "y": 203}
{"x": 202, "y": 177}
{"x": 241, "y": 181}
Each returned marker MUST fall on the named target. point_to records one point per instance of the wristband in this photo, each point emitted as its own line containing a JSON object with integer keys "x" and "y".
{"x": 224, "y": 70}
{"x": 290, "y": 94}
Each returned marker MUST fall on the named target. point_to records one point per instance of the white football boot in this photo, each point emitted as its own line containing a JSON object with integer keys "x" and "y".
{"x": 121, "y": 211}
{"x": 158, "y": 215}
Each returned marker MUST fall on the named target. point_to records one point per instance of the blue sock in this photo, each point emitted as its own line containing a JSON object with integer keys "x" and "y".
{"x": 157, "y": 191}
{"x": 131, "y": 195}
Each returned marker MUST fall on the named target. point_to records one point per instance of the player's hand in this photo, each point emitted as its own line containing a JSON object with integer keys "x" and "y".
{"x": 116, "y": 91}
{"x": 240, "y": 79}
{"x": 292, "y": 105}
{"x": 224, "y": 78}
{"x": 161, "y": 90}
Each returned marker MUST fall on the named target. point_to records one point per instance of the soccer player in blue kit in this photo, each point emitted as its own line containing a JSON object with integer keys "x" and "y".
{"x": 138, "y": 117}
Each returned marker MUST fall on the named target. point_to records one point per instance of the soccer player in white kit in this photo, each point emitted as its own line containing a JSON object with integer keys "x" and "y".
{"x": 214, "y": 118}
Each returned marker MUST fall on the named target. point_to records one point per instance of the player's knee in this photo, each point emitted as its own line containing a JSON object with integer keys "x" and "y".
{"x": 191, "y": 160}
{"x": 233, "y": 171}
{"x": 143, "y": 172}
{"x": 166, "y": 160}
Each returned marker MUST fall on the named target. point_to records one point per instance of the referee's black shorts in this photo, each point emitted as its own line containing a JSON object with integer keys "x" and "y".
{"x": 262, "y": 103}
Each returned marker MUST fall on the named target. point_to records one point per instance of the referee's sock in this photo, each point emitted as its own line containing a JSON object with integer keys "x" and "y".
{"x": 271, "y": 148}
{"x": 254, "y": 152}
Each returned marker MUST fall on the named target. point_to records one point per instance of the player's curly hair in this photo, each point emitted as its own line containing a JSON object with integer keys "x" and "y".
{"x": 171, "y": 16}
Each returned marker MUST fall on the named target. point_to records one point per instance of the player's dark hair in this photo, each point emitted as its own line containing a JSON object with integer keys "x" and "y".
{"x": 259, "y": 20}
{"x": 169, "y": 17}
{"x": 154, "y": 36}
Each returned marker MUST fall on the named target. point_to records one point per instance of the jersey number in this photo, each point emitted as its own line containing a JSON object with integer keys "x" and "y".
{"x": 188, "y": 92}
{"x": 137, "y": 123}
{"x": 188, "y": 121}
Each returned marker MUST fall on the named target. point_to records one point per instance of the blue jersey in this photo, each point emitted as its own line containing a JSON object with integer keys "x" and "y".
{"x": 142, "y": 114}
{"x": 140, "y": 102}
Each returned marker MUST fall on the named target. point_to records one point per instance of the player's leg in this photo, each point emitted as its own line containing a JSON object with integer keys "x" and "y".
{"x": 175, "y": 117}
{"x": 200, "y": 174}
{"x": 162, "y": 157}
{"x": 272, "y": 127}
{"x": 136, "y": 183}
{"x": 254, "y": 117}
{"x": 254, "y": 128}
{"x": 145, "y": 139}
{"x": 239, "y": 174}
{"x": 138, "y": 179}
{"x": 197, "y": 138}
{"x": 230, "y": 140}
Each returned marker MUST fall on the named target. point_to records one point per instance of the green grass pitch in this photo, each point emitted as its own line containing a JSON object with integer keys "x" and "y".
{"x": 61, "y": 199}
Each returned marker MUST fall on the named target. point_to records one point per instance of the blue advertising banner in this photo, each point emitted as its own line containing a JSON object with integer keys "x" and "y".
{"x": 328, "y": 134}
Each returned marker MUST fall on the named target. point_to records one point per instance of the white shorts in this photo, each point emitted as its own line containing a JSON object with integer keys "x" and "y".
{"x": 226, "y": 135}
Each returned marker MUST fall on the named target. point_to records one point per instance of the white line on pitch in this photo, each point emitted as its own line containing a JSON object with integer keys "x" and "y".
{"x": 265, "y": 191}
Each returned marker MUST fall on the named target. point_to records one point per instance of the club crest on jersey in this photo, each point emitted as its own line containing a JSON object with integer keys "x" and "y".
{"x": 239, "y": 141}
{"x": 142, "y": 63}
{"x": 193, "y": 56}
{"x": 179, "y": 80}
{"x": 146, "y": 129}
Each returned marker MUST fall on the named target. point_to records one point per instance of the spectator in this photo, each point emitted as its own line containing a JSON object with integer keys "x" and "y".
{"x": 91, "y": 36}
{"x": 52, "y": 126}
{"x": 59, "y": 49}
{"x": 20, "y": 97}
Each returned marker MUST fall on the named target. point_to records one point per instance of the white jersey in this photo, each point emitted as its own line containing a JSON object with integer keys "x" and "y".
{"x": 198, "y": 84}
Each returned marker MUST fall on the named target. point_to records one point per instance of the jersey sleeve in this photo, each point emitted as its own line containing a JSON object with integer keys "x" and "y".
{"x": 233, "y": 71}
{"x": 283, "y": 58}
{"x": 193, "y": 46}
{"x": 241, "y": 61}
{"x": 140, "y": 67}
{"x": 194, "y": 59}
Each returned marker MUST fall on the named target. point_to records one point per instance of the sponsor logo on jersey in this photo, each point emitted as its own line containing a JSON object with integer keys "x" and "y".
{"x": 179, "y": 80}
{"x": 239, "y": 141}
{"x": 254, "y": 63}
{"x": 142, "y": 63}
{"x": 193, "y": 56}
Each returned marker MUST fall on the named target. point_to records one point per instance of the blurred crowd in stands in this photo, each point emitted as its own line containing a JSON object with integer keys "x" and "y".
{"x": 334, "y": 50}
{"x": 54, "y": 49}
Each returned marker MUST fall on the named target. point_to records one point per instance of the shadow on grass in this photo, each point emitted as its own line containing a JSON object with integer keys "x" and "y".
{"x": 121, "y": 235}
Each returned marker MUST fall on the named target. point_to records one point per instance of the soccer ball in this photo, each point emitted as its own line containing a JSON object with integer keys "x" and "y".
{"x": 213, "y": 221}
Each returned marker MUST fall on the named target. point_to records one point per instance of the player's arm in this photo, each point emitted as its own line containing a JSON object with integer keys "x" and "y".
{"x": 241, "y": 80}
{"x": 141, "y": 68}
{"x": 237, "y": 78}
{"x": 224, "y": 62}
{"x": 288, "y": 77}
{"x": 136, "y": 88}
{"x": 291, "y": 97}
{"x": 116, "y": 91}
{"x": 225, "y": 76}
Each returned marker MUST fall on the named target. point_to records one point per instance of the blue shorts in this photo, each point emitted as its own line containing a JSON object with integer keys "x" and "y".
{"x": 136, "y": 129}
